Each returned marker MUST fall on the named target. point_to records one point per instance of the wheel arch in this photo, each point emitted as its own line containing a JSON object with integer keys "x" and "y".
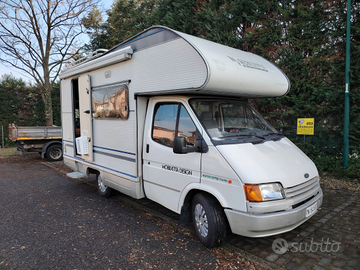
{"x": 188, "y": 195}
{"x": 48, "y": 144}
{"x": 90, "y": 170}
{"x": 46, "y": 150}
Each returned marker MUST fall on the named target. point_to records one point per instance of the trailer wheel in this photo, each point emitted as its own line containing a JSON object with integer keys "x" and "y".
{"x": 103, "y": 190}
{"x": 209, "y": 220}
{"x": 54, "y": 153}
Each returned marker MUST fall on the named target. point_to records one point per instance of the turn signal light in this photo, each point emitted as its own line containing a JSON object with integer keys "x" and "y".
{"x": 253, "y": 193}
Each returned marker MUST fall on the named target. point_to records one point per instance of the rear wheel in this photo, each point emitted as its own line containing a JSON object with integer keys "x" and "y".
{"x": 54, "y": 153}
{"x": 209, "y": 220}
{"x": 103, "y": 190}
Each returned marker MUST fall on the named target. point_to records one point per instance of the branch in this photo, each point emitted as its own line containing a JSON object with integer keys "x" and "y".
{"x": 32, "y": 48}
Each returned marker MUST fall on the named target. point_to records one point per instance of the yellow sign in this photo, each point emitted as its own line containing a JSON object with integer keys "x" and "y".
{"x": 305, "y": 126}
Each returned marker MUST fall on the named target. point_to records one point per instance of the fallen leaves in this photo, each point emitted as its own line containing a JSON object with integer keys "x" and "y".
{"x": 340, "y": 184}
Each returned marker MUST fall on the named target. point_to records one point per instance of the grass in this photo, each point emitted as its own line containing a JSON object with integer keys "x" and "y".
{"x": 11, "y": 152}
{"x": 5, "y": 152}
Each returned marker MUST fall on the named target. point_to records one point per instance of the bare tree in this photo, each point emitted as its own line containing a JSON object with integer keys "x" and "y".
{"x": 38, "y": 36}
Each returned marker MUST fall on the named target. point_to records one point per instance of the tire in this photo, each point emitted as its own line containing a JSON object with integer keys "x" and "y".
{"x": 54, "y": 153}
{"x": 103, "y": 190}
{"x": 209, "y": 220}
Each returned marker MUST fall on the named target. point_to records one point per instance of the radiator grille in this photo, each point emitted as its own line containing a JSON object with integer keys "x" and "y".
{"x": 304, "y": 190}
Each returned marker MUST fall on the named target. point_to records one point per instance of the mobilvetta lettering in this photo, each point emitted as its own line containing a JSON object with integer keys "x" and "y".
{"x": 176, "y": 169}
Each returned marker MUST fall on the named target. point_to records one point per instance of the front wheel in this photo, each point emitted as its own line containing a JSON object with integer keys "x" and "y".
{"x": 209, "y": 220}
{"x": 103, "y": 190}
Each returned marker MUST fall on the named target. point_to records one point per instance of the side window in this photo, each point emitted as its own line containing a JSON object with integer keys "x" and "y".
{"x": 186, "y": 127}
{"x": 111, "y": 102}
{"x": 164, "y": 124}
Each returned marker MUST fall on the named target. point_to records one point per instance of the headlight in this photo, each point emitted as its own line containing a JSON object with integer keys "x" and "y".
{"x": 264, "y": 192}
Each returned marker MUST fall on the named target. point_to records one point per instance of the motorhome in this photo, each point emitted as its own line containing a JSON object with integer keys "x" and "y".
{"x": 165, "y": 115}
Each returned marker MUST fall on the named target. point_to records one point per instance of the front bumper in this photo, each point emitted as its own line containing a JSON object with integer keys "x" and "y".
{"x": 261, "y": 225}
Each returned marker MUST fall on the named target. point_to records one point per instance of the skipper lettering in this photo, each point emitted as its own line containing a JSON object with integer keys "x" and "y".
{"x": 176, "y": 169}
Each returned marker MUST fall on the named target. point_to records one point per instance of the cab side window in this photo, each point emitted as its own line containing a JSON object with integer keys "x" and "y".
{"x": 186, "y": 127}
{"x": 165, "y": 124}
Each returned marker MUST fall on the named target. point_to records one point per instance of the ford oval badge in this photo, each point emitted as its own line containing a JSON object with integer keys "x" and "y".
{"x": 306, "y": 175}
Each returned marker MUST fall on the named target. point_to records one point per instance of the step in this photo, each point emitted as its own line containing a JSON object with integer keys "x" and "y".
{"x": 75, "y": 175}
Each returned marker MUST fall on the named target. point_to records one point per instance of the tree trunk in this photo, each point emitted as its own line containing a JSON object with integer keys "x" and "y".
{"x": 46, "y": 96}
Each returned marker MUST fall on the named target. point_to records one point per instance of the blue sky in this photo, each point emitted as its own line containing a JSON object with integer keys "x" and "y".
{"x": 18, "y": 74}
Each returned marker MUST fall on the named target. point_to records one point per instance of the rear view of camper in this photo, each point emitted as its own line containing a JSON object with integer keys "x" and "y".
{"x": 164, "y": 115}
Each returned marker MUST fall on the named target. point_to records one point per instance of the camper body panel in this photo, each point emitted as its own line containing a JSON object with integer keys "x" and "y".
{"x": 152, "y": 69}
{"x": 233, "y": 72}
{"x": 170, "y": 67}
{"x": 200, "y": 66}
{"x": 111, "y": 152}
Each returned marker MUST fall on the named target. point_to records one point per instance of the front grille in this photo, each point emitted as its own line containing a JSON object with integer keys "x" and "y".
{"x": 303, "y": 191}
{"x": 301, "y": 203}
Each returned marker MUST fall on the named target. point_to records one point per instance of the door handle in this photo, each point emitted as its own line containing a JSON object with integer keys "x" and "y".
{"x": 87, "y": 111}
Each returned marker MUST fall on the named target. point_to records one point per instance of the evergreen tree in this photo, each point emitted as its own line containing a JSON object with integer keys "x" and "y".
{"x": 312, "y": 54}
{"x": 22, "y": 104}
{"x": 304, "y": 38}
{"x": 125, "y": 19}
{"x": 178, "y": 14}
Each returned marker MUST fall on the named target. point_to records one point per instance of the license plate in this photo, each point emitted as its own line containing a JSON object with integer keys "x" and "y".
{"x": 311, "y": 209}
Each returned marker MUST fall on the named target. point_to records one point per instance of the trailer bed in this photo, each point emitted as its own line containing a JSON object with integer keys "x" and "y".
{"x": 34, "y": 133}
{"x": 47, "y": 141}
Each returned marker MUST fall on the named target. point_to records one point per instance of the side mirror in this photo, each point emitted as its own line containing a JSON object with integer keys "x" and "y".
{"x": 180, "y": 145}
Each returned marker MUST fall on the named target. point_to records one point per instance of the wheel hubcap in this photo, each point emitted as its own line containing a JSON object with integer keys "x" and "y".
{"x": 55, "y": 153}
{"x": 101, "y": 185}
{"x": 201, "y": 220}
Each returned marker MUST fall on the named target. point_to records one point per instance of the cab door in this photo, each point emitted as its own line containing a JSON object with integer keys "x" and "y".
{"x": 85, "y": 112}
{"x": 165, "y": 173}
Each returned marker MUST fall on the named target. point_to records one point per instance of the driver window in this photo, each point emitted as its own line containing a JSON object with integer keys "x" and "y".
{"x": 186, "y": 127}
{"x": 164, "y": 124}
{"x": 163, "y": 130}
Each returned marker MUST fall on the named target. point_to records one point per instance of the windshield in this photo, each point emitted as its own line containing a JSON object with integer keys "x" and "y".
{"x": 232, "y": 120}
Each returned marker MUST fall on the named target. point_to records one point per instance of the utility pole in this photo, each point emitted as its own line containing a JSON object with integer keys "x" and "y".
{"x": 347, "y": 88}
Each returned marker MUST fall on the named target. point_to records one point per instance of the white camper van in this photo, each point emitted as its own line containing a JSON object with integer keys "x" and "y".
{"x": 164, "y": 115}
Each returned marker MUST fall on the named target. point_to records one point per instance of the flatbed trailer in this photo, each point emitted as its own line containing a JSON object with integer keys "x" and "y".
{"x": 42, "y": 139}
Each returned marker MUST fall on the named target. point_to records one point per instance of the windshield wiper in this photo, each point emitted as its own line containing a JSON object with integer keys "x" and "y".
{"x": 239, "y": 135}
{"x": 274, "y": 135}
